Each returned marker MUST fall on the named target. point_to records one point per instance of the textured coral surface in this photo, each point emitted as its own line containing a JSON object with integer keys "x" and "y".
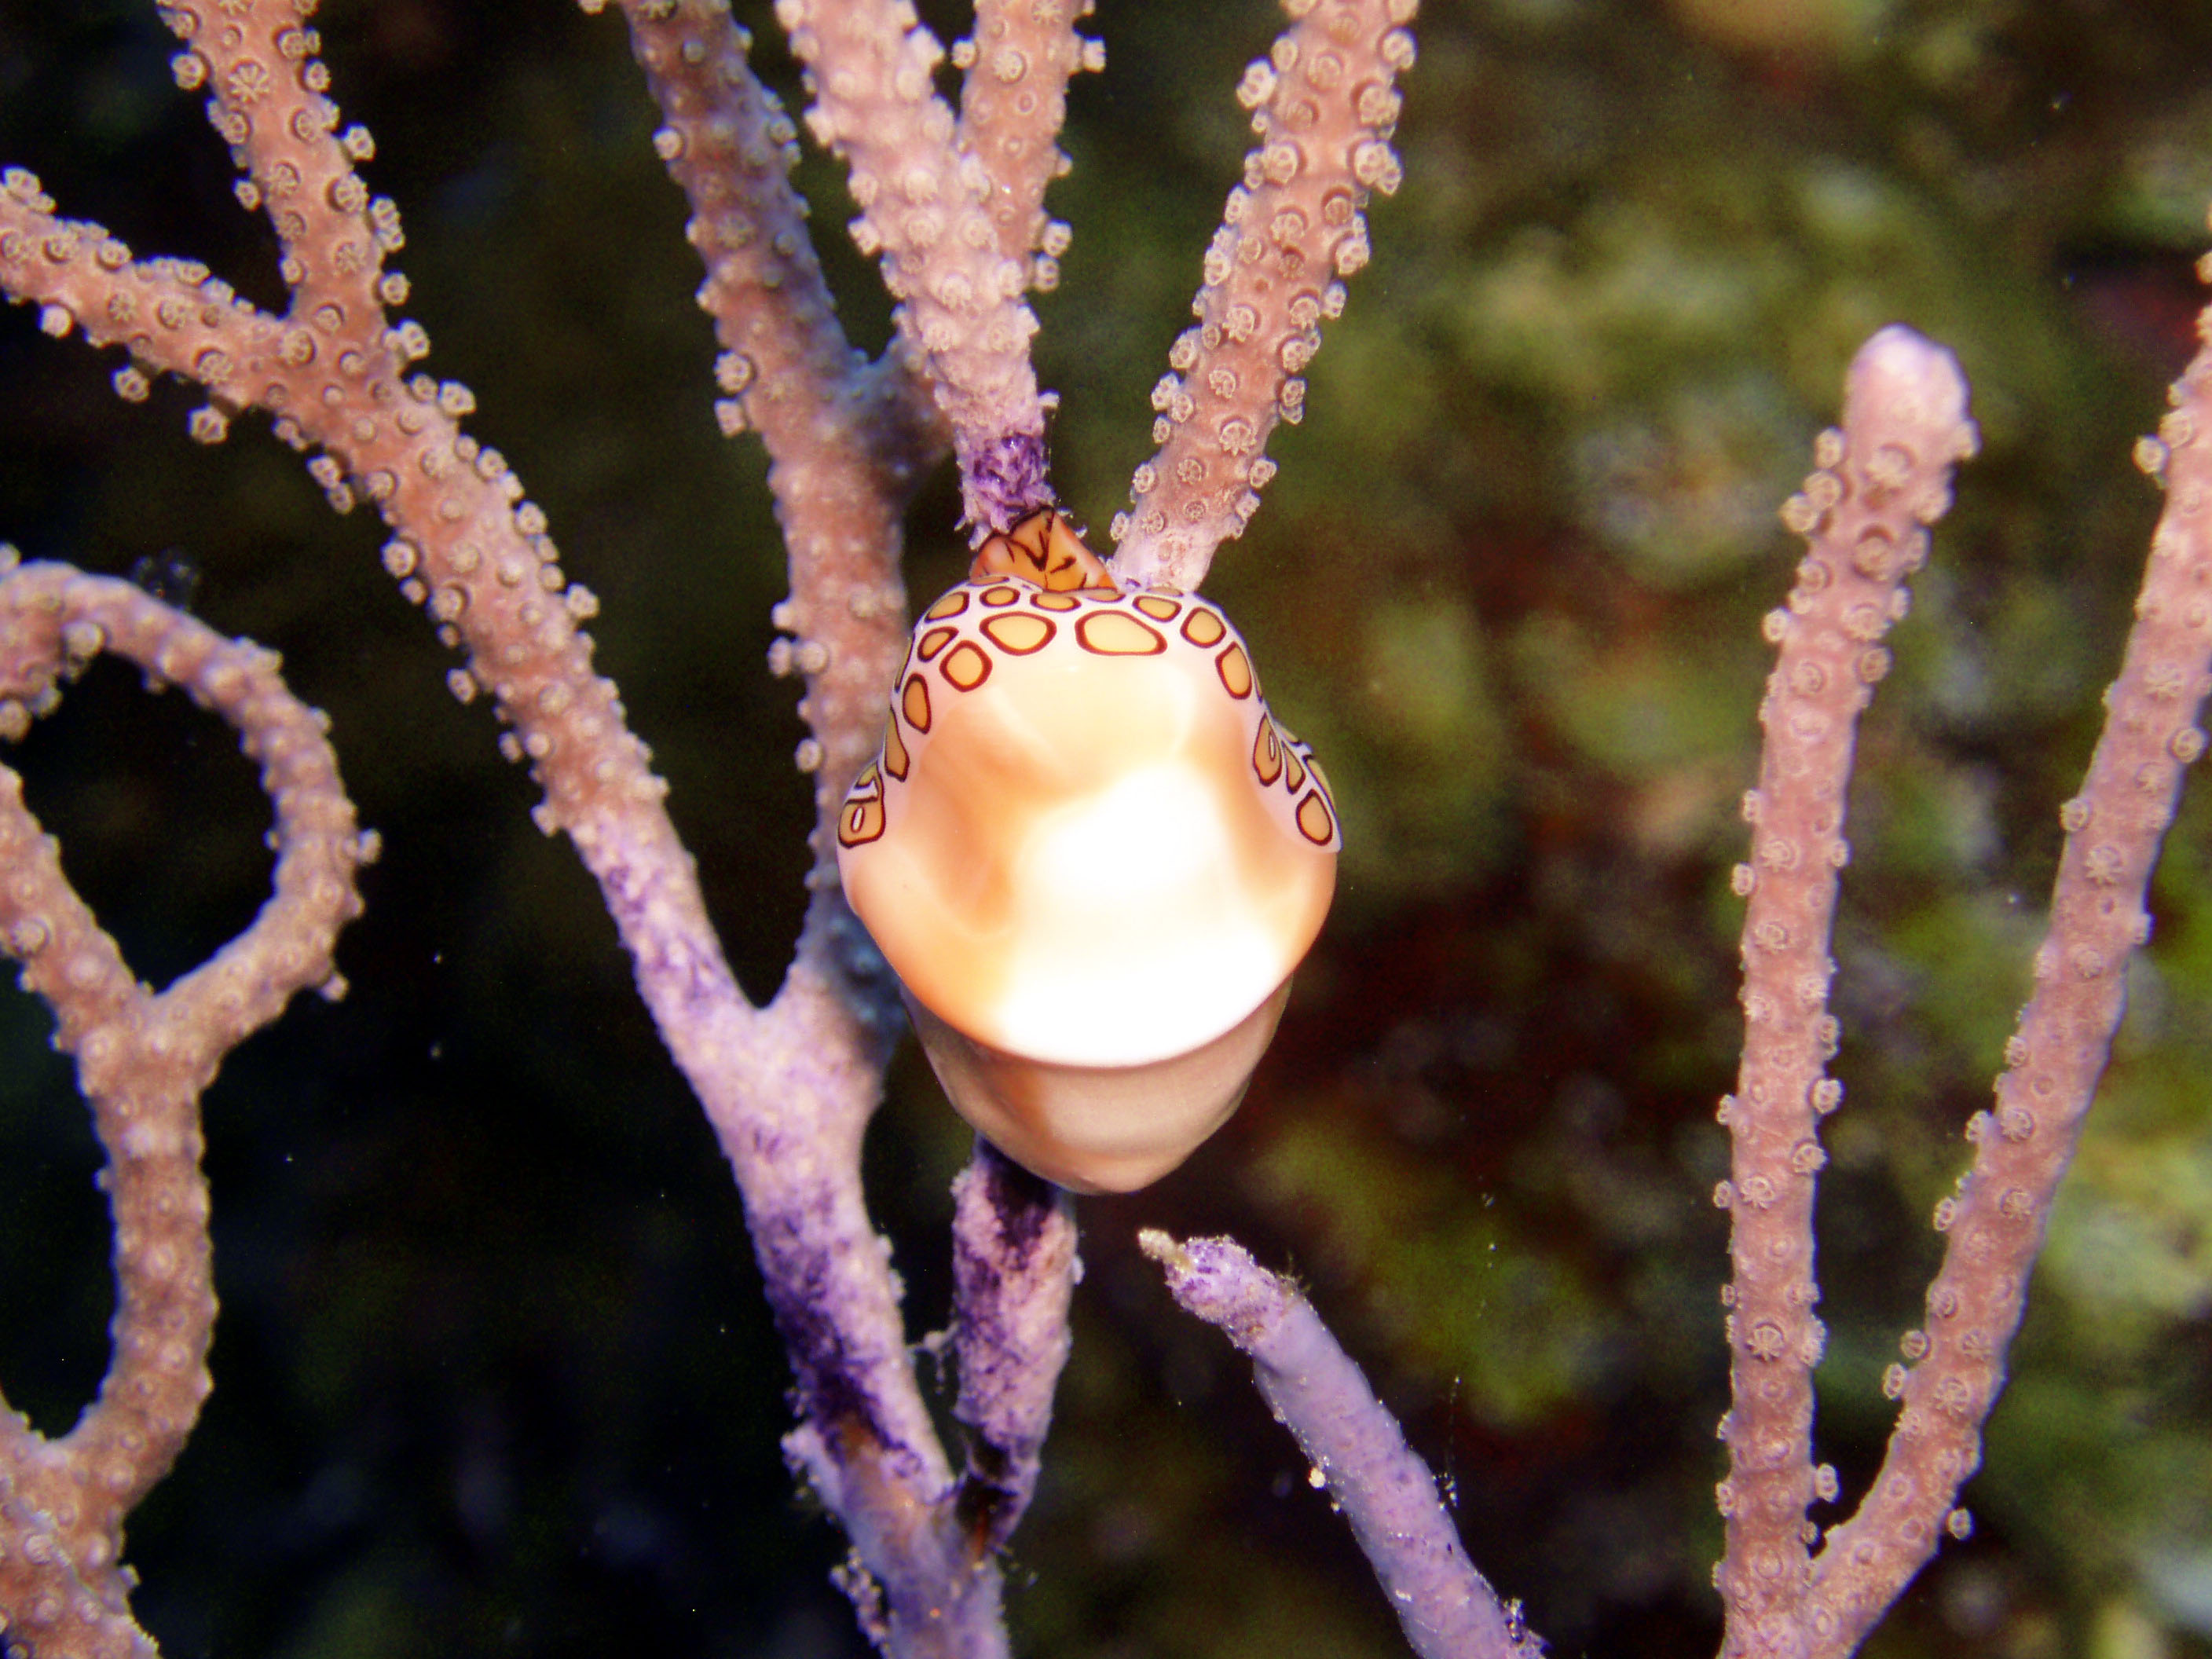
{"x": 493, "y": 1373}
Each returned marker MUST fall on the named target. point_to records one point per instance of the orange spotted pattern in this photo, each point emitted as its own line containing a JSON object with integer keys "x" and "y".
{"x": 862, "y": 820}
{"x": 1016, "y": 603}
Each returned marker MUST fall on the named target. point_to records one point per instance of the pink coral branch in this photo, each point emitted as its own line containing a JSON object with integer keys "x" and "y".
{"x": 926, "y": 208}
{"x": 143, "y": 1060}
{"x": 1325, "y": 105}
{"x": 1880, "y": 482}
{"x": 1994, "y": 1225}
{"x": 1012, "y": 105}
{"x": 846, "y": 438}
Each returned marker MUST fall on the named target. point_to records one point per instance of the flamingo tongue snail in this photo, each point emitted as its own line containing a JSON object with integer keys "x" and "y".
{"x": 1091, "y": 855}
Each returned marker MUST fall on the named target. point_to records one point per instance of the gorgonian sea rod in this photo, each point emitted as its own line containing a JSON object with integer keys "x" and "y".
{"x": 949, "y": 199}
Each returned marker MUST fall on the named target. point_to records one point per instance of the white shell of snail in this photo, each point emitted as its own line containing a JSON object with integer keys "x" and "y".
{"x": 1091, "y": 855}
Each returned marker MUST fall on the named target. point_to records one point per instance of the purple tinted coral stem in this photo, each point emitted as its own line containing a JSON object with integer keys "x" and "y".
{"x": 1002, "y": 479}
{"x": 1447, "y": 1608}
{"x": 1014, "y": 1270}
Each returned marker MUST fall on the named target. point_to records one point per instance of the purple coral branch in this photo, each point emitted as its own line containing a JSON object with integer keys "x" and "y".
{"x": 1014, "y": 1270}
{"x": 1447, "y": 1608}
{"x": 1003, "y": 479}
{"x": 789, "y": 1099}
